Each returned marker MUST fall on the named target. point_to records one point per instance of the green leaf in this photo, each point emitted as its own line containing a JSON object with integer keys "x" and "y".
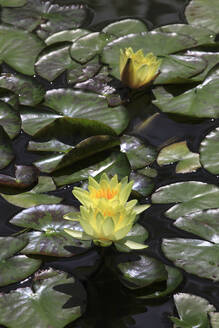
{"x": 46, "y": 18}
{"x": 159, "y": 43}
{"x": 15, "y": 45}
{"x": 53, "y": 145}
{"x": 25, "y": 176}
{"x": 143, "y": 185}
{"x": 6, "y": 150}
{"x": 84, "y": 149}
{"x": 40, "y": 306}
{"x": 124, "y": 27}
{"x": 12, "y": 3}
{"x": 193, "y": 311}
{"x": 138, "y": 153}
{"x": 209, "y": 154}
{"x": 28, "y": 91}
{"x": 88, "y": 46}
{"x": 193, "y": 196}
{"x": 179, "y": 152}
{"x": 195, "y": 256}
{"x": 68, "y": 35}
{"x": 79, "y": 73}
{"x": 10, "y": 246}
{"x": 204, "y": 224}
{"x": 202, "y": 35}
{"x": 116, "y": 163}
{"x": 179, "y": 69}
{"x": 10, "y": 120}
{"x": 203, "y": 13}
{"x": 194, "y": 102}
{"x": 35, "y": 196}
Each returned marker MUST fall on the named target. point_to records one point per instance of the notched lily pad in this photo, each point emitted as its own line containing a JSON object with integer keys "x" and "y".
{"x": 50, "y": 238}
{"x": 10, "y": 120}
{"x": 41, "y": 305}
{"x": 28, "y": 91}
{"x": 124, "y": 27}
{"x": 195, "y": 256}
{"x": 209, "y": 153}
{"x": 192, "y": 196}
{"x": 8, "y": 275}
{"x": 66, "y": 36}
{"x": 6, "y": 150}
{"x": 192, "y": 310}
{"x": 143, "y": 185}
{"x": 25, "y": 176}
{"x": 179, "y": 152}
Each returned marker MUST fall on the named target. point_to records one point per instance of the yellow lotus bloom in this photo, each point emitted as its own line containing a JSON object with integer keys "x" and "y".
{"x": 137, "y": 70}
{"x": 105, "y": 214}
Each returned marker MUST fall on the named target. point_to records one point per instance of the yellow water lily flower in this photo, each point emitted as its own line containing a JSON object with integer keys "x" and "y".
{"x": 136, "y": 69}
{"x": 105, "y": 214}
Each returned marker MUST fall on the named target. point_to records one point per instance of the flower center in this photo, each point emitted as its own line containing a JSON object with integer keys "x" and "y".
{"x": 106, "y": 193}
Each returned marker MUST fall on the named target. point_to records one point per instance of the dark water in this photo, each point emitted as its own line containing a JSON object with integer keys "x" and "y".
{"x": 109, "y": 304}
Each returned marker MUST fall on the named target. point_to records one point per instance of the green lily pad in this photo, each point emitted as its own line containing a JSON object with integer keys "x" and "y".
{"x": 47, "y": 18}
{"x": 40, "y": 306}
{"x": 204, "y": 224}
{"x": 143, "y": 185}
{"x": 84, "y": 149}
{"x": 6, "y": 150}
{"x": 68, "y": 35}
{"x": 53, "y": 145}
{"x": 192, "y": 310}
{"x": 116, "y": 163}
{"x": 53, "y": 63}
{"x": 138, "y": 153}
{"x": 200, "y": 34}
{"x": 194, "y": 102}
{"x": 179, "y": 69}
{"x": 28, "y": 91}
{"x": 10, "y": 246}
{"x": 25, "y": 176}
{"x": 179, "y": 152}
{"x": 195, "y": 256}
{"x": 209, "y": 154}
{"x": 203, "y": 13}
{"x": 50, "y": 238}
{"x": 15, "y": 44}
{"x": 12, "y": 3}
{"x": 192, "y": 196}
{"x": 10, "y": 120}
{"x": 35, "y": 196}
{"x": 88, "y": 46}
{"x": 124, "y": 27}
{"x": 161, "y": 44}
{"x": 79, "y": 73}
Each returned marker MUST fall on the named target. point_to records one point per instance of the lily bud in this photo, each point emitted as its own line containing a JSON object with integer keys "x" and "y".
{"x": 105, "y": 215}
{"x": 137, "y": 70}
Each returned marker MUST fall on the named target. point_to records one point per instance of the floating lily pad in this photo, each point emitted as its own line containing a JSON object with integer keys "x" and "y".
{"x": 88, "y": 46}
{"x": 138, "y": 153}
{"x": 179, "y": 152}
{"x": 203, "y": 13}
{"x": 84, "y": 149}
{"x": 50, "y": 238}
{"x": 10, "y": 120}
{"x": 53, "y": 145}
{"x": 12, "y": 3}
{"x": 35, "y": 196}
{"x": 79, "y": 73}
{"x": 200, "y": 34}
{"x": 193, "y": 196}
{"x": 28, "y": 91}
{"x": 143, "y": 185}
{"x": 15, "y": 45}
{"x": 209, "y": 153}
{"x": 193, "y": 311}
{"x": 39, "y": 306}
{"x": 10, "y": 246}
{"x": 68, "y": 35}
{"x": 159, "y": 43}
{"x": 25, "y": 176}
{"x": 124, "y": 27}
{"x": 116, "y": 163}
{"x": 48, "y": 17}
{"x": 179, "y": 69}
{"x": 194, "y": 102}
{"x": 204, "y": 224}
{"x": 6, "y": 150}
{"x": 195, "y": 256}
